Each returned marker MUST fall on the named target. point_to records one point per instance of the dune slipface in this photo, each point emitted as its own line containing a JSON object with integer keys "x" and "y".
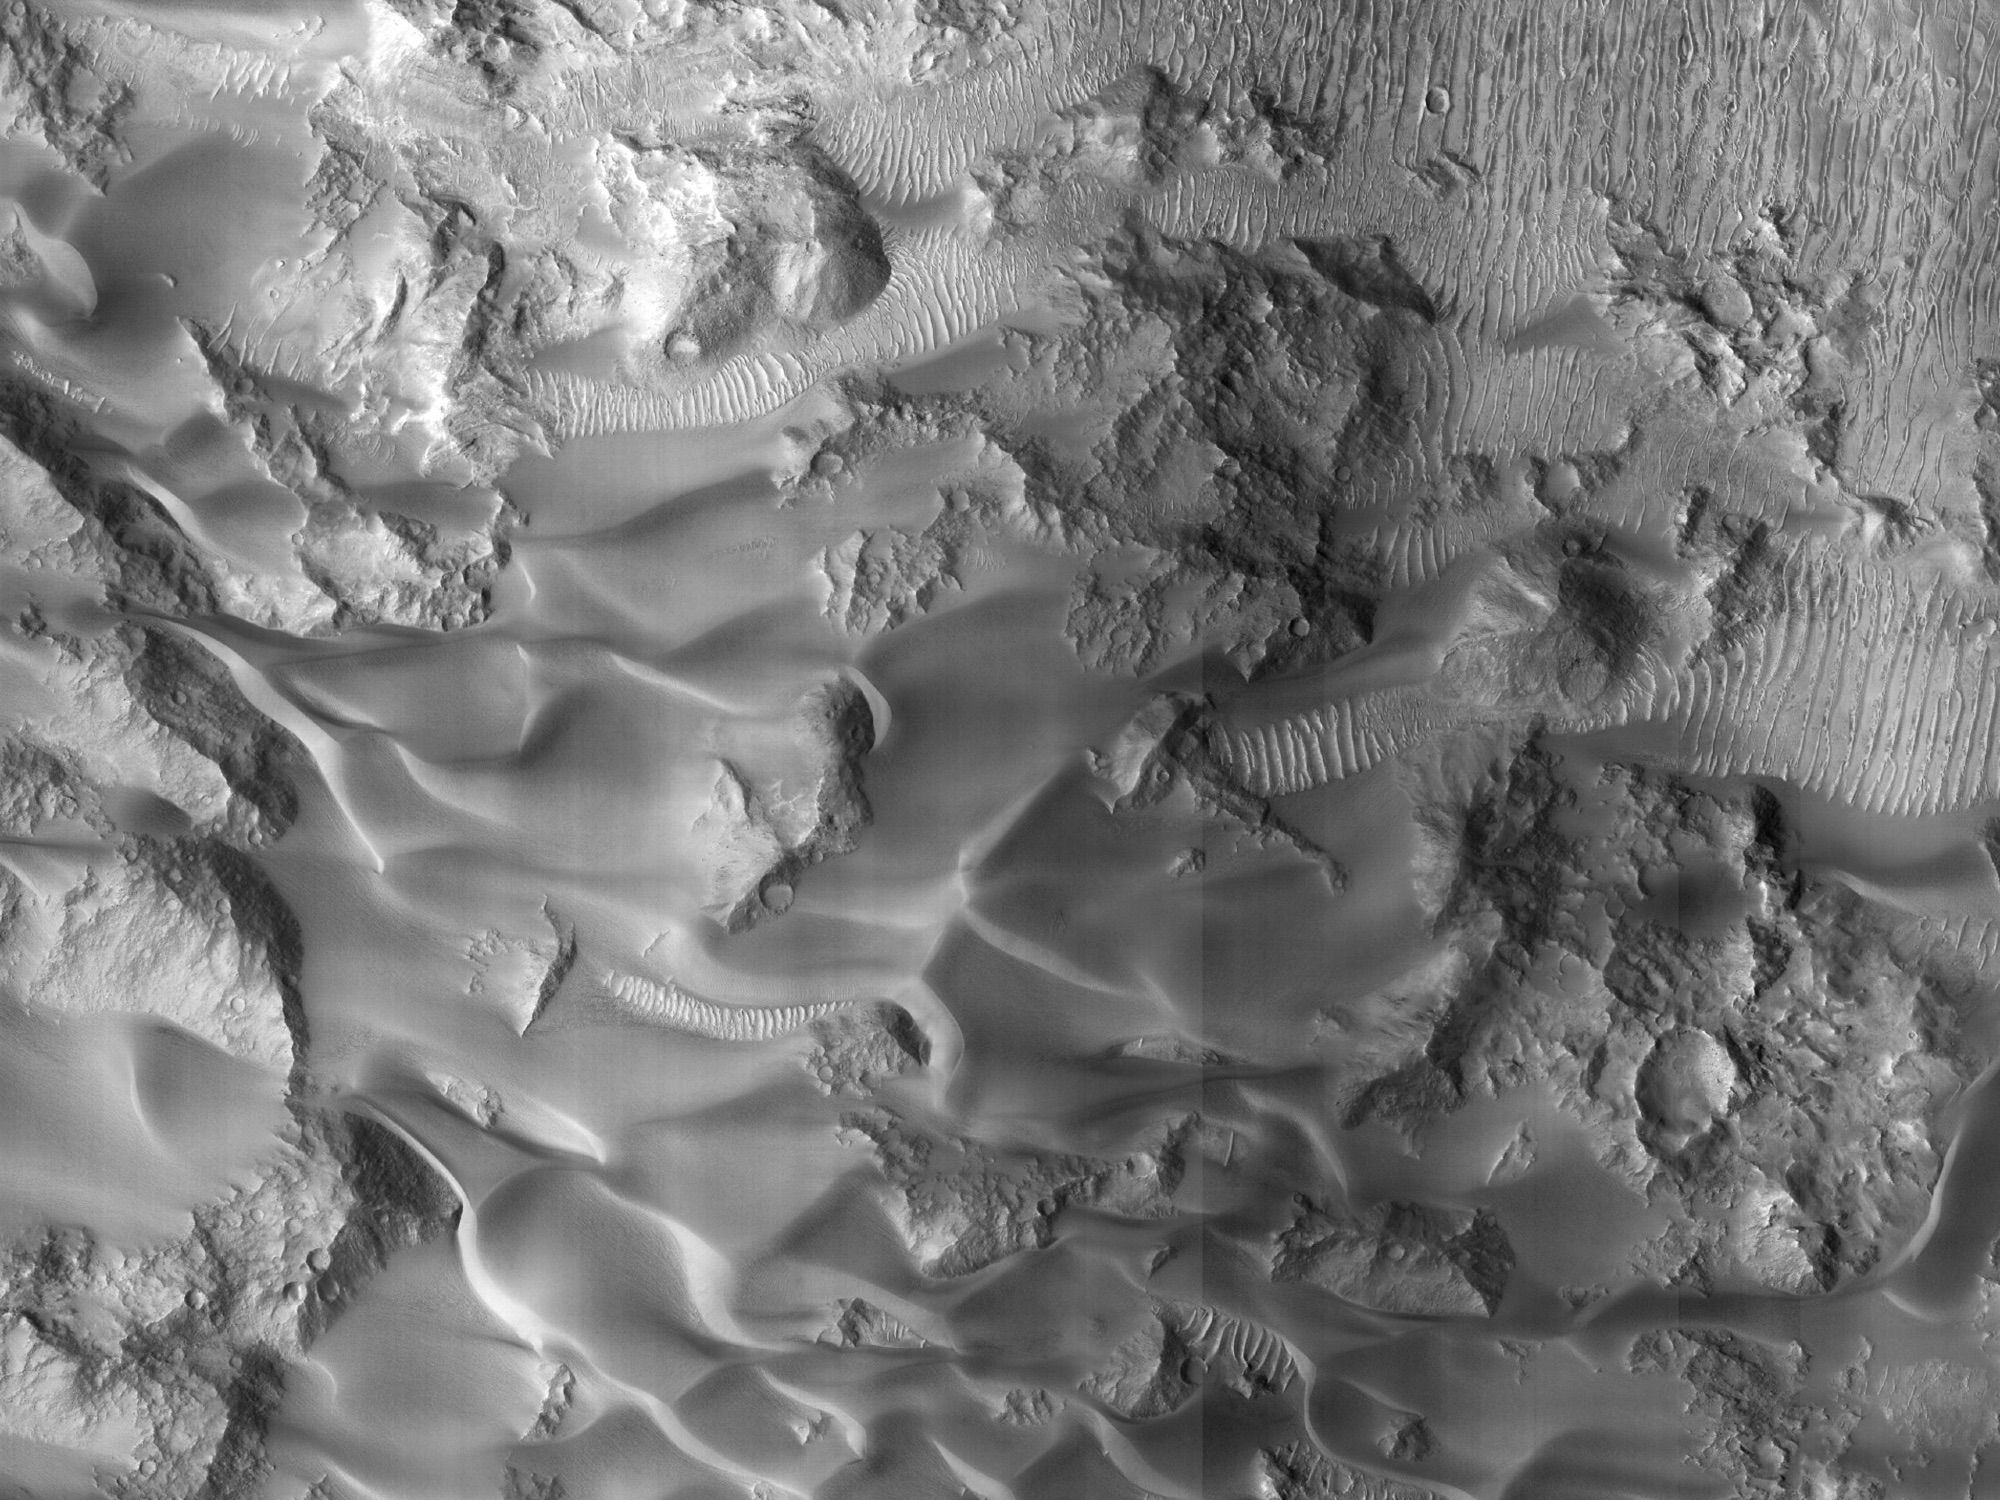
{"x": 1026, "y": 751}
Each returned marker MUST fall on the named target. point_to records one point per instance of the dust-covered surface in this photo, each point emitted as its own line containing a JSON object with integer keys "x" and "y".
{"x": 874, "y": 752}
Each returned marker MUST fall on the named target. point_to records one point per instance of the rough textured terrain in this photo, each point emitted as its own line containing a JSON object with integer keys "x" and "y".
{"x": 957, "y": 748}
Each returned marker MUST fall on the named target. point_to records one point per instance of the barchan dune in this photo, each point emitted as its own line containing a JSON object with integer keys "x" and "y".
{"x": 1024, "y": 749}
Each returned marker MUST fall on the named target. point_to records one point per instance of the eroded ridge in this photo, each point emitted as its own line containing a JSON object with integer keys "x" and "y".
{"x": 665, "y": 1003}
{"x": 1853, "y": 682}
{"x": 1307, "y": 750}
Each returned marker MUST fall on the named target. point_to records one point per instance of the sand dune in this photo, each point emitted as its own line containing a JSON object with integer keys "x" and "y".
{"x": 799, "y": 752}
